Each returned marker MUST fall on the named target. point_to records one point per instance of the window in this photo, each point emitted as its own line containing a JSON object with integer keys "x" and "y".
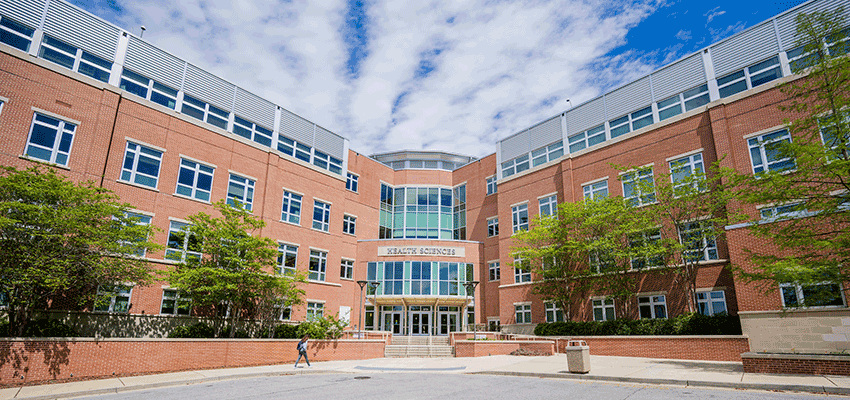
{"x": 139, "y": 219}
{"x": 293, "y": 148}
{"x": 318, "y": 265}
{"x": 493, "y": 227}
{"x": 830, "y": 136}
{"x": 291, "y": 211}
{"x": 652, "y": 306}
{"x": 750, "y": 77}
{"x": 784, "y": 211}
{"x": 523, "y": 313}
{"x": 205, "y": 112}
{"x": 181, "y": 244}
{"x": 596, "y": 191}
{"x": 491, "y": 185}
{"x": 113, "y": 298}
{"x": 767, "y": 153}
{"x": 240, "y": 189}
{"x": 634, "y": 185}
{"x": 346, "y": 269}
{"x": 50, "y": 139}
{"x": 692, "y": 98}
{"x": 327, "y": 162}
{"x": 284, "y": 312}
{"x": 75, "y": 59}
{"x": 141, "y": 165}
{"x": 287, "y": 258}
{"x": 194, "y": 180}
{"x": 631, "y": 122}
{"x": 459, "y": 211}
{"x": 348, "y": 224}
{"x": 321, "y": 215}
{"x": 173, "y": 304}
{"x": 694, "y": 236}
{"x": 590, "y": 137}
{"x": 601, "y": 260}
{"x": 547, "y": 153}
{"x": 519, "y": 215}
{"x": 712, "y": 302}
{"x": 553, "y": 313}
{"x": 15, "y": 34}
{"x": 386, "y": 222}
{"x": 495, "y": 275}
{"x": 645, "y": 243}
{"x": 818, "y": 295}
{"x": 682, "y": 171}
{"x": 603, "y": 309}
{"x": 522, "y": 271}
{"x": 549, "y": 205}
{"x": 351, "y": 182}
{"x": 252, "y": 131}
{"x": 315, "y": 310}
{"x": 423, "y": 213}
{"x": 148, "y": 89}
{"x": 514, "y": 166}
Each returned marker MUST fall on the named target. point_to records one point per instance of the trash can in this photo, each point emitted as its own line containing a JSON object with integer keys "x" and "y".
{"x": 578, "y": 356}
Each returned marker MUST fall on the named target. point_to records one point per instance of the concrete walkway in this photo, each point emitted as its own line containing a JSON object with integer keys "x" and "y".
{"x": 603, "y": 368}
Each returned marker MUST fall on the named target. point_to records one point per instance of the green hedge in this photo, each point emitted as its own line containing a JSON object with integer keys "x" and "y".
{"x": 42, "y": 328}
{"x": 685, "y": 324}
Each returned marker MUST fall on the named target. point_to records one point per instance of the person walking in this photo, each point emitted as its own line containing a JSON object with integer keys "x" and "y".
{"x": 302, "y": 351}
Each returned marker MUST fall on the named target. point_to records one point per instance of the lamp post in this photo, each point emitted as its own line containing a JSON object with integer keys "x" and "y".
{"x": 470, "y": 287}
{"x": 360, "y": 324}
{"x": 374, "y": 285}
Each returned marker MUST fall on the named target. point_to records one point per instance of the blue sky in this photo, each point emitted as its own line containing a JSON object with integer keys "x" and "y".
{"x": 451, "y": 75}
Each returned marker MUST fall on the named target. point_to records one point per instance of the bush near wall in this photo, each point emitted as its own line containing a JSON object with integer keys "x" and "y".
{"x": 685, "y": 324}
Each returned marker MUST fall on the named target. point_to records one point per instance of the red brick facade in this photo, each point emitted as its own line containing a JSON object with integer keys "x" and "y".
{"x": 796, "y": 364}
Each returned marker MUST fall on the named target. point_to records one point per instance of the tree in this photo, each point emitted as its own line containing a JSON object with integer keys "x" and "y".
{"x": 807, "y": 181}
{"x": 60, "y": 240}
{"x": 232, "y": 274}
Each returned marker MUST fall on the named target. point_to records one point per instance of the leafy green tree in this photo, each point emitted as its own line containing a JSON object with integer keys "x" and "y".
{"x": 807, "y": 183}
{"x": 324, "y": 327}
{"x": 60, "y": 240}
{"x": 233, "y": 273}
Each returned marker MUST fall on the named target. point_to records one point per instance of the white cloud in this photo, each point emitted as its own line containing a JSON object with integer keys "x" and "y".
{"x": 683, "y": 35}
{"x": 501, "y": 67}
{"x": 713, "y": 13}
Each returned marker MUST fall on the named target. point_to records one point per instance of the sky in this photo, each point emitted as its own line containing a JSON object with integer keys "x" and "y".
{"x": 453, "y": 75}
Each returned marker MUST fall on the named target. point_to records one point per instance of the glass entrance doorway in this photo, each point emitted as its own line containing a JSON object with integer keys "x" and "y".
{"x": 448, "y": 320}
{"x": 392, "y": 320}
{"x": 420, "y": 320}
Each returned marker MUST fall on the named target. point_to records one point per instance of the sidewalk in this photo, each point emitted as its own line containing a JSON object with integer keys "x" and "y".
{"x": 603, "y": 368}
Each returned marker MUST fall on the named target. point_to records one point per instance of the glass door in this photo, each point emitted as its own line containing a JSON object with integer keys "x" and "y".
{"x": 448, "y": 322}
{"x": 420, "y": 322}
{"x": 392, "y": 322}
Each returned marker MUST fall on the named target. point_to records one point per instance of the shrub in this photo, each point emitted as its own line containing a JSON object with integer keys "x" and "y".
{"x": 286, "y": 332}
{"x": 199, "y": 330}
{"x": 685, "y": 324}
{"x": 326, "y": 327}
{"x": 42, "y": 328}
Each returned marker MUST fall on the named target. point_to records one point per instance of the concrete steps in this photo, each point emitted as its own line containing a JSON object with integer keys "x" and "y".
{"x": 419, "y": 347}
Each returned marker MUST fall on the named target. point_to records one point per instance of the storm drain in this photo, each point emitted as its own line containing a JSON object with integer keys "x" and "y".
{"x": 362, "y": 377}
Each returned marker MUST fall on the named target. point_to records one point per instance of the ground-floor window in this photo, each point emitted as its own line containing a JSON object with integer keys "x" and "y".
{"x": 553, "y": 313}
{"x": 603, "y": 309}
{"x": 173, "y": 304}
{"x": 369, "y": 322}
{"x": 315, "y": 310}
{"x": 819, "y": 295}
{"x": 113, "y": 298}
{"x": 711, "y": 302}
{"x": 523, "y": 313}
{"x": 653, "y": 306}
{"x": 493, "y": 324}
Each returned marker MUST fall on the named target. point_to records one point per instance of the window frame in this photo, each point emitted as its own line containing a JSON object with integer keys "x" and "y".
{"x": 707, "y": 249}
{"x": 771, "y": 64}
{"x": 315, "y": 310}
{"x": 493, "y": 226}
{"x": 708, "y": 301}
{"x": 691, "y": 163}
{"x": 197, "y": 169}
{"x": 349, "y": 224}
{"x": 607, "y": 307}
{"x": 138, "y": 152}
{"x": 14, "y": 28}
{"x": 548, "y": 205}
{"x": 553, "y": 311}
{"x": 247, "y": 185}
{"x": 291, "y": 207}
{"x": 153, "y": 90}
{"x": 492, "y": 185}
{"x": 593, "y": 190}
{"x": 184, "y": 252}
{"x": 519, "y": 223}
{"x": 652, "y": 301}
{"x": 318, "y": 265}
{"x": 60, "y": 131}
{"x": 284, "y": 251}
{"x": 759, "y": 143}
{"x": 176, "y": 298}
{"x": 630, "y": 181}
{"x": 81, "y": 61}
{"x": 323, "y": 208}
{"x": 494, "y": 271}
{"x": 799, "y": 294}
{"x": 346, "y": 269}
{"x": 118, "y": 291}
{"x": 587, "y": 139}
{"x": 352, "y": 182}
{"x": 522, "y": 271}
{"x": 524, "y": 310}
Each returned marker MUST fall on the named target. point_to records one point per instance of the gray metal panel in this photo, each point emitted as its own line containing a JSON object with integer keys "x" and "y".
{"x": 754, "y": 44}
{"x": 586, "y": 116}
{"x": 27, "y": 11}
{"x": 631, "y": 97}
{"x": 329, "y": 142}
{"x": 788, "y": 24}
{"x": 79, "y": 28}
{"x": 295, "y": 127}
{"x": 545, "y": 133}
{"x": 515, "y": 146}
{"x": 208, "y": 87}
{"x": 154, "y": 63}
{"x": 252, "y": 107}
{"x": 678, "y": 77}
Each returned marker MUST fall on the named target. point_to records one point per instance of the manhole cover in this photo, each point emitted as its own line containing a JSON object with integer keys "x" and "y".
{"x": 362, "y": 377}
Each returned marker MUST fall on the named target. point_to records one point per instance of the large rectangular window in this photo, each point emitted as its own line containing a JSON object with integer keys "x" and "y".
{"x": 241, "y": 190}
{"x": 515, "y": 166}
{"x": 351, "y": 182}
{"x": 682, "y": 173}
{"x": 75, "y": 59}
{"x": 181, "y": 244}
{"x": 318, "y": 265}
{"x": 548, "y": 205}
{"x": 493, "y": 227}
{"x": 652, "y": 306}
{"x": 695, "y": 236}
{"x": 590, "y": 137}
{"x": 595, "y": 191}
{"x": 315, "y": 310}
{"x": 645, "y": 244}
{"x": 50, "y": 139}
{"x": 750, "y": 77}
{"x": 711, "y": 302}
{"x": 603, "y": 309}
{"x": 252, "y": 131}
{"x": 766, "y": 152}
{"x": 522, "y": 271}
{"x": 149, "y": 89}
{"x": 173, "y": 304}
{"x": 346, "y": 269}
{"x": 138, "y": 219}
{"x": 638, "y": 187}
{"x": 195, "y": 180}
{"x": 553, "y": 312}
{"x": 15, "y": 34}
{"x": 818, "y": 295}
{"x": 492, "y": 187}
{"x": 291, "y": 211}
{"x": 321, "y": 215}
{"x": 522, "y": 313}
{"x": 493, "y": 268}
{"x": 113, "y": 298}
{"x": 519, "y": 215}
{"x": 287, "y": 258}
{"x": 459, "y": 197}
{"x": 141, "y": 165}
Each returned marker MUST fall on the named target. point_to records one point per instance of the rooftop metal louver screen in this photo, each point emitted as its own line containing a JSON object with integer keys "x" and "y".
{"x": 28, "y": 12}
{"x": 586, "y": 116}
{"x": 154, "y": 63}
{"x": 79, "y": 28}
{"x": 254, "y": 108}
{"x": 629, "y": 98}
{"x": 208, "y": 87}
{"x": 678, "y": 77}
{"x": 329, "y": 142}
{"x": 545, "y": 133}
{"x": 752, "y": 45}
{"x": 515, "y": 146}
{"x": 787, "y": 23}
{"x": 295, "y": 127}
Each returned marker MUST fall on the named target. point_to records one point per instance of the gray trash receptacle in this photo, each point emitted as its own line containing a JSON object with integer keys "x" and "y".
{"x": 578, "y": 356}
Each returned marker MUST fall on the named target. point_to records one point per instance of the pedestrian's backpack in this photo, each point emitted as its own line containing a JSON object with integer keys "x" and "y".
{"x": 298, "y": 346}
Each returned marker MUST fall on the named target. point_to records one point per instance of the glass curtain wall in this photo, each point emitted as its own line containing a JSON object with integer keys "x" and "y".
{"x": 420, "y": 278}
{"x": 422, "y": 213}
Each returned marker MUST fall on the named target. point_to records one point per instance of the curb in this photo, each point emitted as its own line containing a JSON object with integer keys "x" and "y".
{"x": 677, "y": 382}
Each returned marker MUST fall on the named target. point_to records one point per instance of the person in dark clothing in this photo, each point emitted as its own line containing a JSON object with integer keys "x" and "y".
{"x": 302, "y": 351}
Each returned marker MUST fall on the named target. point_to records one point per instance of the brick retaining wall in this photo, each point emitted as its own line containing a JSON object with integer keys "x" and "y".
{"x": 481, "y": 348}
{"x": 808, "y": 364}
{"x": 41, "y": 360}
{"x": 707, "y": 348}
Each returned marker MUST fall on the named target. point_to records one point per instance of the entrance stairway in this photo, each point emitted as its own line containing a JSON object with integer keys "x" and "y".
{"x": 419, "y": 347}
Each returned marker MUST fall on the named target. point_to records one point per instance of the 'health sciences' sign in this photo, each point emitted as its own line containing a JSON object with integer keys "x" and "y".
{"x": 421, "y": 251}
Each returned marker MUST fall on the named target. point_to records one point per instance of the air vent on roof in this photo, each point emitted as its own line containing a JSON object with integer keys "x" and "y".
{"x": 254, "y": 108}
{"x": 678, "y": 77}
{"x": 208, "y": 87}
{"x": 154, "y": 63}
{"x": 629, "y": 98}
{"x": 27, "y": 12}
{"x": 586, "y": 116}
{"x": 81, "y": 29}
{"x": 752, "y": 45}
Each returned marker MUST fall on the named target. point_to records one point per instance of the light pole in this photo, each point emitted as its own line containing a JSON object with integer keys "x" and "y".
{"x": 374, "y": 285}
{"x": 360, "y": 324}
{"x": 470, "y": 287}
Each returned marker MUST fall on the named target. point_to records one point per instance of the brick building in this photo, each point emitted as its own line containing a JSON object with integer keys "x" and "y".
{"x": 102, "y": 104}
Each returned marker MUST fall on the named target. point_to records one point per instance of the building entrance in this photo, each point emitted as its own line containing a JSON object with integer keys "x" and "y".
{"x": 392, "y": 322}
{"x": 420, "y": 320}
{"x": 448, "y": 318}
